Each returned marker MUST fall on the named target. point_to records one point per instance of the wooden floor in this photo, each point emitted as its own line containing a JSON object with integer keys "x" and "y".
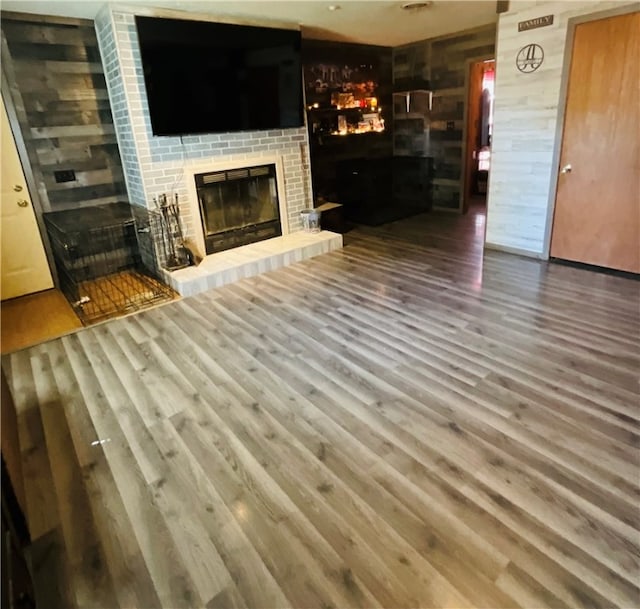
{"x": 403, "y": 423}
{"x": 32, "y": 319}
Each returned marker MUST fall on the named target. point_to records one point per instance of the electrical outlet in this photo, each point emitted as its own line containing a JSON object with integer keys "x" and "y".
{"x": 64, "y": 175}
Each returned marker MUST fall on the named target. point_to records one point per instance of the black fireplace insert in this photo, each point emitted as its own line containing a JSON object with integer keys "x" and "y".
{"x": 238, "y": 206}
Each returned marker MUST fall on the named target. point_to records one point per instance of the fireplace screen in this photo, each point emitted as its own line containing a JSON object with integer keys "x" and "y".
{"x": 238, "y": 206}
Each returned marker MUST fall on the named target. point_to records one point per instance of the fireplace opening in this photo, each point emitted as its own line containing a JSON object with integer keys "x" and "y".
{"x": 238, "y": 206}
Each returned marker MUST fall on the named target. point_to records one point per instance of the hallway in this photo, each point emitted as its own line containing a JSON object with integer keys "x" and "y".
{"x": 441, "y": 229}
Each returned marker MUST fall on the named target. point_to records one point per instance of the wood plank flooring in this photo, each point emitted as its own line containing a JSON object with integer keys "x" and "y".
{"x": 403, "y": 423}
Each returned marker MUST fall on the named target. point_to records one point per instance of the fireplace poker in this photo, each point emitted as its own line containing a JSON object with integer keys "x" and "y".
{"x": 172, "y": 261}
{"x": 176, "y": 214}
{"x": 178, "y": 255}
{"x": 184, "y": 250}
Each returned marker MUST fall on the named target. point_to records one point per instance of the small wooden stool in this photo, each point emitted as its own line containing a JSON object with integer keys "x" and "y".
{"x": 331, "y": 217}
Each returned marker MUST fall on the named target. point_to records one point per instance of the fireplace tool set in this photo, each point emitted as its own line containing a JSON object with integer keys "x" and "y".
{"x": 177, "y": 255}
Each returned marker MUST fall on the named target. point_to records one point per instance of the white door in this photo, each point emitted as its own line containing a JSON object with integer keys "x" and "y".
{"x": 23, "y": 260}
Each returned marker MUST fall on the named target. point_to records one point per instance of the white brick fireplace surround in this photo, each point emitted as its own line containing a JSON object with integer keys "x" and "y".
{"x": 155, "y": 165}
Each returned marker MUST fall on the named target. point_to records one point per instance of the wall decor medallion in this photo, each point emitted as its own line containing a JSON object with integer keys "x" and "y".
{"x": 529, "y": 58}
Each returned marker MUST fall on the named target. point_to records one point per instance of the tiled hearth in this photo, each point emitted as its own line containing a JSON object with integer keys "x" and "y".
{"x": 249, "y": 260}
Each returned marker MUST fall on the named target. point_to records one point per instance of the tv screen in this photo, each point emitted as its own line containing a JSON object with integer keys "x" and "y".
{"x": 205, "y": 77}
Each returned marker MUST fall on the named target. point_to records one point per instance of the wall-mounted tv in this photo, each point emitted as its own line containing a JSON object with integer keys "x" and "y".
{"x": 206, "y": 77}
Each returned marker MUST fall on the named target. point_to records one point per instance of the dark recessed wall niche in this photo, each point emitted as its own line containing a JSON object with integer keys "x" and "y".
{"x": 354, "y": 71}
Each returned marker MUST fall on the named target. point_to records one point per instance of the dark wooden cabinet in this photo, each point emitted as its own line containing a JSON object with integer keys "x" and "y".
{"x": 328, "y": 153}
{"x": 374, "y": 191}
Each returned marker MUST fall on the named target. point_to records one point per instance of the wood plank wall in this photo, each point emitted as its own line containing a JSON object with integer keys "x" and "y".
{"x": 444, "y": 61}
{"x": 58, "y": 88}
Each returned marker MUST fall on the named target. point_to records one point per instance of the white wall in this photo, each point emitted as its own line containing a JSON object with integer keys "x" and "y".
{"x": 526, "y": 121}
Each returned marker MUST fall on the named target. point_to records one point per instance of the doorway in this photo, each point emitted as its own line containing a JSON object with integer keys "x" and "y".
{"x": 25, "y": 269}
{"x": 479, "y": 133}
{"x": 597, "y": 211}
{"x": 32, "y": 310}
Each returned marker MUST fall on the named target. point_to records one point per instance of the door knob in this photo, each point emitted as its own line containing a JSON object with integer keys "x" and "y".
{"x": 566, "y": 168}
{"x": 23, "y": 203}
{"x": 17, "y": 188}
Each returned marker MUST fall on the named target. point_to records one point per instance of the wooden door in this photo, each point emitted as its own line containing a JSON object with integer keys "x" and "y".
{"x": 597, "y": 211}
{"x": 474, "y": 95}
{"x": 24, "y": 263}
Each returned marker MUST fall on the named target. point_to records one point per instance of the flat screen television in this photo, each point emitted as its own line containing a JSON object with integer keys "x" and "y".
{"x": 206, "y": 77}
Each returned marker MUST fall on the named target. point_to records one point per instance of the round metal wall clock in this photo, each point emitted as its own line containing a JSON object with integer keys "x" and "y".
{"x": 529, "y": 58}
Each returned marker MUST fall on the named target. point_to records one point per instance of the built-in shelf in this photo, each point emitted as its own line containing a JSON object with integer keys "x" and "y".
{"x": 345, "y": 121}
{"x": 411, "y": 122}
{"x": 407, "y": 115}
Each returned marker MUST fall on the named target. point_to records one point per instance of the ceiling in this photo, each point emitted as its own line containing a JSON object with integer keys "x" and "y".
{"x": 380, "y": 22}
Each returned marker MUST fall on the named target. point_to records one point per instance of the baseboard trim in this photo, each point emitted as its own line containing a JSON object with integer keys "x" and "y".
{"x": 514, "y": 250}
{"x": 596, "y": 269}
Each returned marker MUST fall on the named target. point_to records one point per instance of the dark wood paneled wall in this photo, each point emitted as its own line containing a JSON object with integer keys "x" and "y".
{"x": 58, "y": 88}
{"x": 444, "y": 62}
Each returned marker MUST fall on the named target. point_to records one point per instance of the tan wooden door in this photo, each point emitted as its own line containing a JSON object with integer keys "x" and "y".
{"x": 597, "y": 211}
{"x": 23, "y": 260}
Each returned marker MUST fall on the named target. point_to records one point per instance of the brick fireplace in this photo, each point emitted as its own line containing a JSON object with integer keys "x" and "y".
{"x": 155, "y": 165}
